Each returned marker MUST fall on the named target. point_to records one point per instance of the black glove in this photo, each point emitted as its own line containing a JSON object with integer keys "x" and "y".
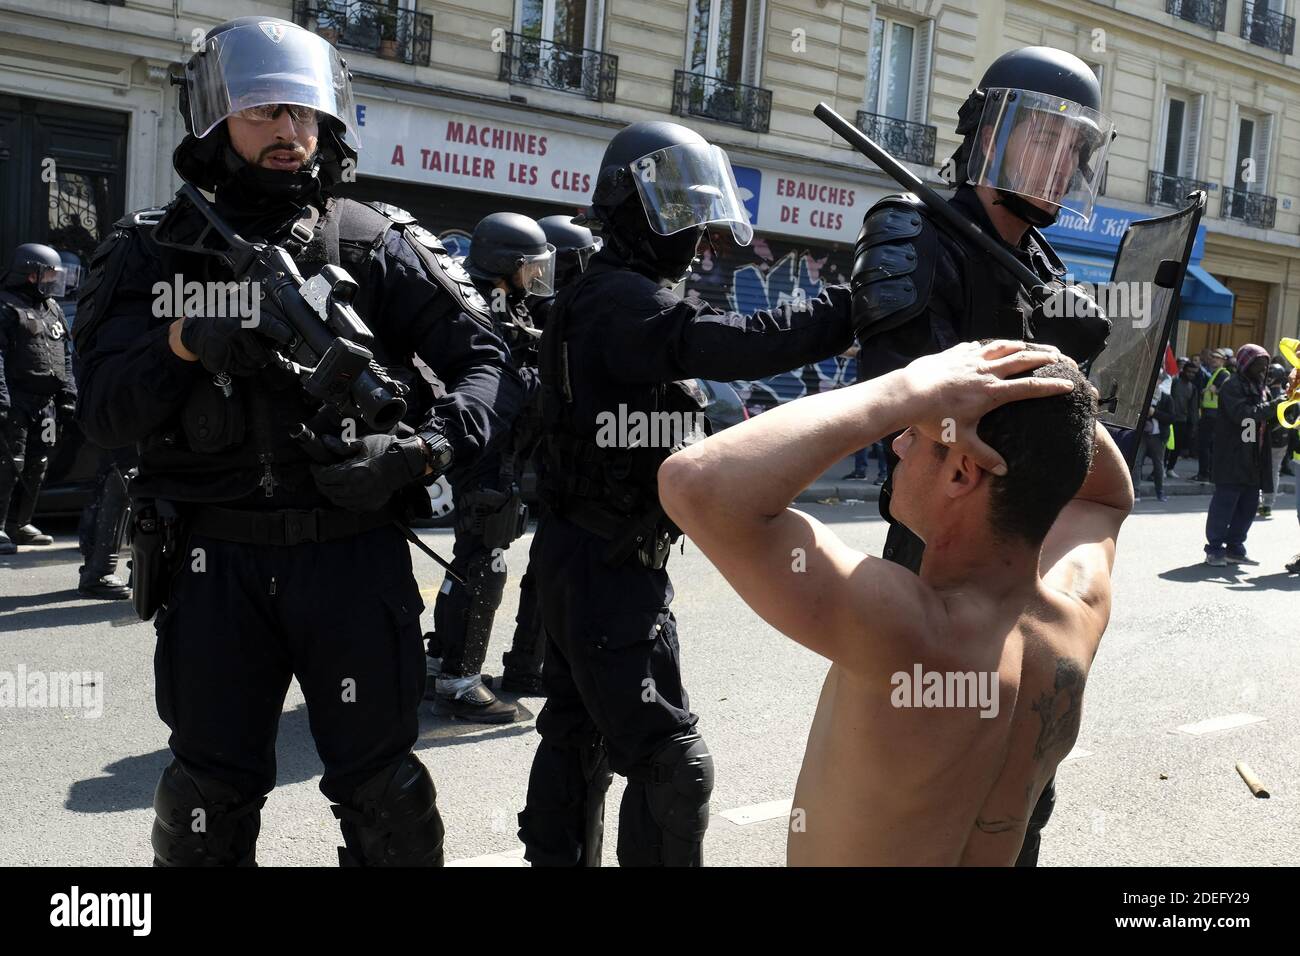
{"x": 375, "y": 468}
{"x": 1071, "y": 320}
{"x": 226, "y": 345}
{"x": 66, "y": 411}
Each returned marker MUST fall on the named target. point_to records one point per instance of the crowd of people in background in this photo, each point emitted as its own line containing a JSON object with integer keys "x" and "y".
{"x": 1217, "y": 415}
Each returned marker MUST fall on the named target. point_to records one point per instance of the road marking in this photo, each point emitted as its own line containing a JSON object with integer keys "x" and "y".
{"x": 513, "y": 857}
{"x": 1215, "y": 724}
{"x": 1078, "y": 753}
{"x": 758, "y": 812}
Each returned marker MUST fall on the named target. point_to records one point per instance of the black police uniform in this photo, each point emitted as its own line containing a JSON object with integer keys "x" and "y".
{"x": 36, "y": 383}
{"x": 490, "y": 513}
{"x": 274, "y": 581}
{"x": 616, "y": 340}
{"x": 921, "y": 289}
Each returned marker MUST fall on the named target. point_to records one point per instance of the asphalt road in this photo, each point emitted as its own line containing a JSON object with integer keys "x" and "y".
{"x": 1186, "y": 644}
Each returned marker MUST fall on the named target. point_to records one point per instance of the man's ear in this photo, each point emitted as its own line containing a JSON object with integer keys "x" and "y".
{"x": 962, "y": 475}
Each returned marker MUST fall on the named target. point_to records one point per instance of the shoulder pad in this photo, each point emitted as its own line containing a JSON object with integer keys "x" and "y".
{"x": 448, "y": 273}
{"x": 104, "y": 272}
{"x": 397, "y": 214}
{"x": 893, "y": 265}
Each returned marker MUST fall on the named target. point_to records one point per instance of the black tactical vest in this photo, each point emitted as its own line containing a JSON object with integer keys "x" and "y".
{"x": 35, "y": 360}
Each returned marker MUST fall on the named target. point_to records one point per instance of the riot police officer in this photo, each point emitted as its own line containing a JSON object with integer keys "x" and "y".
{"x": 616, "y": 341}
{"x": 1034, "y": 143}
{"x": 274, "y": 564}
{"x": 574, "y": 246}
{"x": 37, "y": 392}
{"x": 510, "y": 262}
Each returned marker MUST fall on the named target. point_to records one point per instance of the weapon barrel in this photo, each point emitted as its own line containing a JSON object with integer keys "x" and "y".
{"x": 913, "y": 184}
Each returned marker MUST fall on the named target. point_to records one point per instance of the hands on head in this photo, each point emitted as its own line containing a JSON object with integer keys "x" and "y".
{"x": 953, "y": 390}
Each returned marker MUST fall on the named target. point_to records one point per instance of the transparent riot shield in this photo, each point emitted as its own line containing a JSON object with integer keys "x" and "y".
{"x": 1142, "y": 303}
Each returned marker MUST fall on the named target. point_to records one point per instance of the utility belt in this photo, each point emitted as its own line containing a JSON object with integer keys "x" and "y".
{"x": 597, "y": 490}
{"x": 160, "y": 532}
{"x": 498, "y": 517}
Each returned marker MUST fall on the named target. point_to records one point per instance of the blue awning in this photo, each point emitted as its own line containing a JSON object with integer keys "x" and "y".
{"x": 1091, "y": 269}
{"x": 1205, "y": 298}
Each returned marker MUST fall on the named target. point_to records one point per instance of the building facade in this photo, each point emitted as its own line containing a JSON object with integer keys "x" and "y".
{"x": 466, "y": 107}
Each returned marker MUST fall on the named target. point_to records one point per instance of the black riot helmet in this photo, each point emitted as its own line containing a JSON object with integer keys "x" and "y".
{"x": 248, "y": 65}
{"x": 1034, "y": 130}
{"x": 34, "y": 258}
{"x": 507, "y": 245}
{"x": 574, "y": 246}
{"x": 660, "y": 184}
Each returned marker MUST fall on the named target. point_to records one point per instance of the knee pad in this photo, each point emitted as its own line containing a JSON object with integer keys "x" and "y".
{"x": 678, "y": 785}
{"x": 202, "y": 821}
{"x": 392, "y": 819}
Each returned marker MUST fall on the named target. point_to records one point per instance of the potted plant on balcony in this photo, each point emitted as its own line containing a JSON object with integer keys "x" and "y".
{"x": 387, "y": 19}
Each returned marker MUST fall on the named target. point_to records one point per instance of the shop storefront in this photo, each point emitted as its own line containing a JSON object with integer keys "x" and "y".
{"x": 450, "y": 169}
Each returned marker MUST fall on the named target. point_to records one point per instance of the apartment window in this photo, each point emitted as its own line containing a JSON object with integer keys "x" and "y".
{"x": 567, "y": 22}
{"x": 1250, "y": 173}
{"x": 723, "y": 41}
{"x": 1180, "y": 150}
{"x": 898, "y": 69}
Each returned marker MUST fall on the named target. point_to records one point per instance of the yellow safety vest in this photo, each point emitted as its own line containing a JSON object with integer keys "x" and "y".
{"x": 1208, "y": 398}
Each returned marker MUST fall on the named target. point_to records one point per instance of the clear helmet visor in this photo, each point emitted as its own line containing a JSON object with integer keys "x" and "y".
{"x": 584, "y": 254}
{"x": 536, "y": 274}
{"x": 1043, "y": 148}
{"x": 268, "y": 63}
{"x": 690, "y": 185}
{"x": 52, "y": 281}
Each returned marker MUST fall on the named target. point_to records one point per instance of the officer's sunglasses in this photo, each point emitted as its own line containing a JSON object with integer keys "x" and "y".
{"x": 301, "y": 115}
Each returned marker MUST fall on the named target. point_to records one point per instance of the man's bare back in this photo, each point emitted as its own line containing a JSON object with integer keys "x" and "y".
{"x": 940, "y": 786}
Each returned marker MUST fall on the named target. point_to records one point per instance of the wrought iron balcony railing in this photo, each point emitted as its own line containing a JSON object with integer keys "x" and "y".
{"x": 913, "y": 142}
{"x": 536, "y": 62}
{"x": 1166, "y": 190}
{"x": 696, "y": 94}
{"x": 1205, "y": 13}
{"x": 1254, "y": 209}
{"x": 377, "y": 28}
{"x": 1265, "y": 27}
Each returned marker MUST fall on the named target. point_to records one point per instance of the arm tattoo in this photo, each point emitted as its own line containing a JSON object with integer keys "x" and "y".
{"x": 1060, "y": 709}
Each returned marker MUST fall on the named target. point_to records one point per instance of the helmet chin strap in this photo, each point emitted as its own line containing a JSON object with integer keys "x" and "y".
{"x": 1024, "y": 210}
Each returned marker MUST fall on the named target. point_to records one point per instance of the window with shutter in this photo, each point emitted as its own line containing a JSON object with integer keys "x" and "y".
{"x": 1263, "y": 139}
{"x": 1192, "y": 137}
{"x": 724, "y": 39}
{"x": 893, "y": 66}
{"x": 754, "y": 43}
{"x": 919, "y": 108}
{"x": 592, "y": 38}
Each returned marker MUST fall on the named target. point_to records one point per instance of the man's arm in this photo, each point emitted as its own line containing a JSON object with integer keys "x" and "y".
{"x": 661, "y": 337}
{"x": 731, "y": 493}
{"x": 1079, "y": 550}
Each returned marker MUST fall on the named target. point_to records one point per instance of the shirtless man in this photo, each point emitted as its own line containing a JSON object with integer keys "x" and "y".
{"x": 1014, "y": 592}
